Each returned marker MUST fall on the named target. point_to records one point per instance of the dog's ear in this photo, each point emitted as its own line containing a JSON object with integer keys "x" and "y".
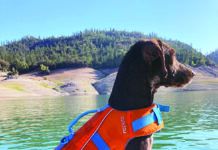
{"x": 162, "y": 56}
{"x": 154, "y": 53}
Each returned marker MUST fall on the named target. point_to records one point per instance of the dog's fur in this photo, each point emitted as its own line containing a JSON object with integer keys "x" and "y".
{"x": 148, "y": 65}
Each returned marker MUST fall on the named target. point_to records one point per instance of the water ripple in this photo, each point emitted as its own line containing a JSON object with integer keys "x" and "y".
{"x": 40, "y": 124}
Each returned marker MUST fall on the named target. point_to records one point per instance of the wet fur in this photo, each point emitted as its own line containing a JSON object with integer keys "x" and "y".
{"x": 148, "y": 65}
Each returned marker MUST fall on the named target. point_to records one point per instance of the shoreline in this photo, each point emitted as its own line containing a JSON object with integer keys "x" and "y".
{"x": 84, "y": 81}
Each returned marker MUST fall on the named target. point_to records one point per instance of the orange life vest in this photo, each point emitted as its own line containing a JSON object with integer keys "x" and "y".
{"x": 112, "y": 129}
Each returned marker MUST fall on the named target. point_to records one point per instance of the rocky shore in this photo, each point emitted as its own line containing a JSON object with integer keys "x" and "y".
{"x": 87, "y": 81}
{"x": 206, "y": 79}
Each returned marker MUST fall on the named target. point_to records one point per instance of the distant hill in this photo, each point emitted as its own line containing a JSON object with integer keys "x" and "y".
{"x": 213, "y": 56}
{"x": 92, "y": 48}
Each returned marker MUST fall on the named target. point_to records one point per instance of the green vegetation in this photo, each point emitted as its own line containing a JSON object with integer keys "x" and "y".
{"x": 188, "y": 55}
{"x": 92, "y": 48}
{"x": 44, "y": 69}
{"x": 15, "y": 86}
{"x": 13, "y": 73}
{"x": 46, "y": 85}
{"x": 214, "y": 56}
{"x": 4, "y": 65}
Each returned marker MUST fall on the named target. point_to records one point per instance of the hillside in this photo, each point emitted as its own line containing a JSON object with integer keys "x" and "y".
{"x": 91, "y": 48}
{"x": 213, "y": 56}
{"x": 58, "y": 83}
{"x": 87, "y": 81}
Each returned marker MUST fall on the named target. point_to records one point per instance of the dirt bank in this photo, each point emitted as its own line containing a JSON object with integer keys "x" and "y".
{"x": 59, "y": 82}
{"x": 87, "y": 81}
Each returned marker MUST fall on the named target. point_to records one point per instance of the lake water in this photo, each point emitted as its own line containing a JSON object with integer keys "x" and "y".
{"x": 39, "y": 124}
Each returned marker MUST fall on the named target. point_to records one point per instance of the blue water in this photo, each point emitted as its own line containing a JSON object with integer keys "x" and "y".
{"x": 39, "y": 124}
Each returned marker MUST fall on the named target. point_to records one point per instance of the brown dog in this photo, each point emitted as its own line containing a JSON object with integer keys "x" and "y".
{"x": 148, "y": 65}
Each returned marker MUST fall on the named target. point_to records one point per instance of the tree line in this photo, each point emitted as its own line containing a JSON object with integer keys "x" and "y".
{"x": 93, "y": 48}
{"x": 213, "y": 56}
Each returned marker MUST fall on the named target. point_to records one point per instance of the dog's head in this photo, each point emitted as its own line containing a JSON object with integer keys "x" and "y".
{"x": 164, "y": 68}
{"x": 148, "y": 65}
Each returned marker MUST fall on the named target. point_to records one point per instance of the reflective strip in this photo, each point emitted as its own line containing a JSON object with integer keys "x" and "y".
{"x": 148, "y": 119}
{"x": 99, "y": 142}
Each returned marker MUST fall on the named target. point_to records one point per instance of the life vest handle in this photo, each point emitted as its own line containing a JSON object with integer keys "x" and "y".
{"x": 74, "y": 121}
